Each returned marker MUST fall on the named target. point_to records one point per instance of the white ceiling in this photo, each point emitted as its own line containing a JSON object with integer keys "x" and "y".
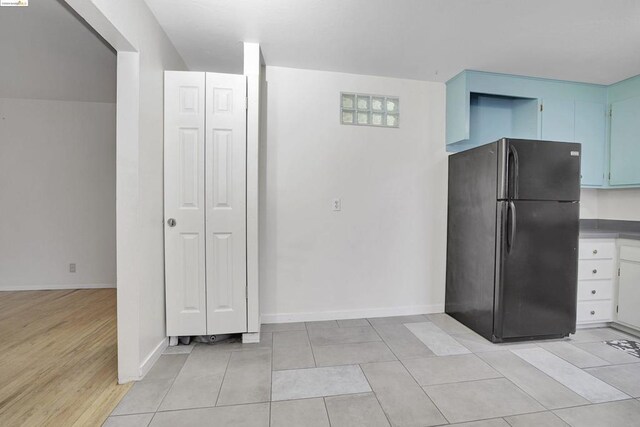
{"x": 594, "y": 41}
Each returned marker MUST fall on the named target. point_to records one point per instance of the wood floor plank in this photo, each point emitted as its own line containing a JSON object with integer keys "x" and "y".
{"x": 58, "y": 362}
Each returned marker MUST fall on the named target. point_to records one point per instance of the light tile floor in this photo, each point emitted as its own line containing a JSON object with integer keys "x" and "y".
{"x": 395, "y": 371}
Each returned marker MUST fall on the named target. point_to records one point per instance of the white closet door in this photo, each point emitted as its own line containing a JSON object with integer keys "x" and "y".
{"x": 226, "y": 213}
{"x": 184, "y": 149}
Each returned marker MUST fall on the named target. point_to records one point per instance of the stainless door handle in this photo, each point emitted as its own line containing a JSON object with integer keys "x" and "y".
{"x": 513, "y": 185}
{"x": 511, "y": 237}
{"x": 171, "y": 222}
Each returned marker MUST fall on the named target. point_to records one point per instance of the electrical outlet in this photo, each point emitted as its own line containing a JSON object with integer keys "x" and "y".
{"x": 72, "y": 267}
{"x": 336, "y": 205}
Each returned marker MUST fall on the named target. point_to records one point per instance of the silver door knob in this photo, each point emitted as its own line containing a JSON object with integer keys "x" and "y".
{"x": 593, "y": 292}
{"x": 171, "y": 222}
{"x": 595, "y": 271}
{"x": 593, "y": 312}
{"x": 595, "y": 251}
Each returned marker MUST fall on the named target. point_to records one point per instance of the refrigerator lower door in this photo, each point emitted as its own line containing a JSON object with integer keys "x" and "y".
{"x": 537, "y": 276}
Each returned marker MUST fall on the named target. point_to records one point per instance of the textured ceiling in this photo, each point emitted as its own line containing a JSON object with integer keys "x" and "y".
{"x": 585, "y": 40}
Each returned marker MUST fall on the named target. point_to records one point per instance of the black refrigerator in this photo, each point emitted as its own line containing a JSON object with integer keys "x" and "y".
{"x": 512, "y": 239}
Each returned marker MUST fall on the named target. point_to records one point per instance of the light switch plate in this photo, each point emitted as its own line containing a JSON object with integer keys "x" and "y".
{"x": 336, "y": 205}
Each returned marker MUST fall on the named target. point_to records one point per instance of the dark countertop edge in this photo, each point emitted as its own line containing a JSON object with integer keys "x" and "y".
{"x": 609, "y": 229}
{"x": 604, "y": 234}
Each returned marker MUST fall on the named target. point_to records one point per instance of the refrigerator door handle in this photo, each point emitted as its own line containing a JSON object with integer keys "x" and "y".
{"x": 511, "y": 238}
{"x": 513, "y": 173}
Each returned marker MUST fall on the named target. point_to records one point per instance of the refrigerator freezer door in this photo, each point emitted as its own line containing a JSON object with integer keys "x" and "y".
{"x": 536, "y": 295}
{"x": 542, "y": 170}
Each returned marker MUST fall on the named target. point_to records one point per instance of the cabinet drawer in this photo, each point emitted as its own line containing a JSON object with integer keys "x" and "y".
{"x": 594, "y": 311}
{"x": 595, "y": 269}
{"x": 595, "y": 290}
{"x": 594, "y": 249}
{"x": 630, "y": 253}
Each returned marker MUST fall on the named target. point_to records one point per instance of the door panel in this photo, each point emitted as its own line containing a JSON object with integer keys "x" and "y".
{"x": 184, "y": 202}
{"x": 538, "y": 288}
{"x": 226, "y": 146}
{"x": 625, "y": 142}
{"x": 629, "y": 293}
{"x": 543, "y": 170}
{"x": 558, "y": 120}
{"x": 590, "y": 132}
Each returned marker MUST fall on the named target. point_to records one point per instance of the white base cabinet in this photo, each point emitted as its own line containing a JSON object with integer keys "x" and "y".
{"x": 629, "y": 284}
{"x": 609, "y": 283}
{"x": 596, "y": 272}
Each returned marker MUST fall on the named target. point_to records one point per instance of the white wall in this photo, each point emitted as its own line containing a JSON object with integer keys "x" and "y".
{"x": 57, "y": 168}
{"x": 48, "y": 53}
{"x": 621, "y": 204}
{"x": 589, "y": 203}
{"x": 57, "y": 151}
{"x": 384, "y": 253}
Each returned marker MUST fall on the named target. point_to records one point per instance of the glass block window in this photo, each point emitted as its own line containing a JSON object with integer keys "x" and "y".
{"x": 369, "y": 110}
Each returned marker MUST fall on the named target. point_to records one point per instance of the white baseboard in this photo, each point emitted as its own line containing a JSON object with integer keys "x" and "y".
{"x": 56, "y": 287}
{"x": 352, "y": 314}
{"x": 626, "y": 329}
{"x": 153, "y": 357}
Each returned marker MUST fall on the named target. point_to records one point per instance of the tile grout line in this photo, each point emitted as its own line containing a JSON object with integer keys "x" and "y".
{"x": 171, "y": 386}
{"x": 163, "y": 396}
{"x": 315, "y": 363}
{"x": 410, "y": 375}
{"x": 577, "y": 348}
{"x": 224, "y": 376}
{"x": 543, "y": 373}
{"x": 584, "y": 371}
{"x": 326, "y": 410}
{"x": 376, "y": 395}
{"x": 271, "y": 376}
{"x": 424, "y": 391}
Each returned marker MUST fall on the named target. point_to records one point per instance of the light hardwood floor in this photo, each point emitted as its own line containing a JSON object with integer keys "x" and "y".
{"x": 58, "y": 357}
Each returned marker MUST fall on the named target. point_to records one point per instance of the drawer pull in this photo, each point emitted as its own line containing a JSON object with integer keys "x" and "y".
{"x": 593, "y": 312}
{"x": 594, "y": 271}
{"x": 595, "y": 251}
{"x": 593, "y": 291}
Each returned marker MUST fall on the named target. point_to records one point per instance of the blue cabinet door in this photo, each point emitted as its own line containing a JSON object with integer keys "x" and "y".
{"x": 457, "y": 109}
{"x": 590, "y": 131}
{"x": 558, "y": 117}
{"x": 625, "y": 142}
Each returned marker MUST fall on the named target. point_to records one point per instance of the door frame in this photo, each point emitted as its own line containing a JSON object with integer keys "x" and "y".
{"x": 130, "y": 365}
{"x": 127, "y": 187}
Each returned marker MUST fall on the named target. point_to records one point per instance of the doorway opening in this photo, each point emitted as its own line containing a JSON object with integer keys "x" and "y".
{"x": 58, "y": 234}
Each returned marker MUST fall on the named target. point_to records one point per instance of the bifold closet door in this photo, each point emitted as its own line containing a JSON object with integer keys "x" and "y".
{"x": 184, "y": 203}
{"x": 226, "y": 200}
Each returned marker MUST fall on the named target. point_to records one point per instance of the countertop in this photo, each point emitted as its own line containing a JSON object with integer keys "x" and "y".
{"x": 609, "y": 229}
{"x": 608, "y": 234}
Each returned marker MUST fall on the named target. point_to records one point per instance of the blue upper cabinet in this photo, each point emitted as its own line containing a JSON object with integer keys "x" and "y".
{"x": 624, "y": 162}
{"x": 579, "y": 121}
{"x": 558, "y": 119}
{"x": 625, "y": 142}
{"x": 457, "y": 109}
{"x": 590, "y": 131}
{"x": 483, "y": 107}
